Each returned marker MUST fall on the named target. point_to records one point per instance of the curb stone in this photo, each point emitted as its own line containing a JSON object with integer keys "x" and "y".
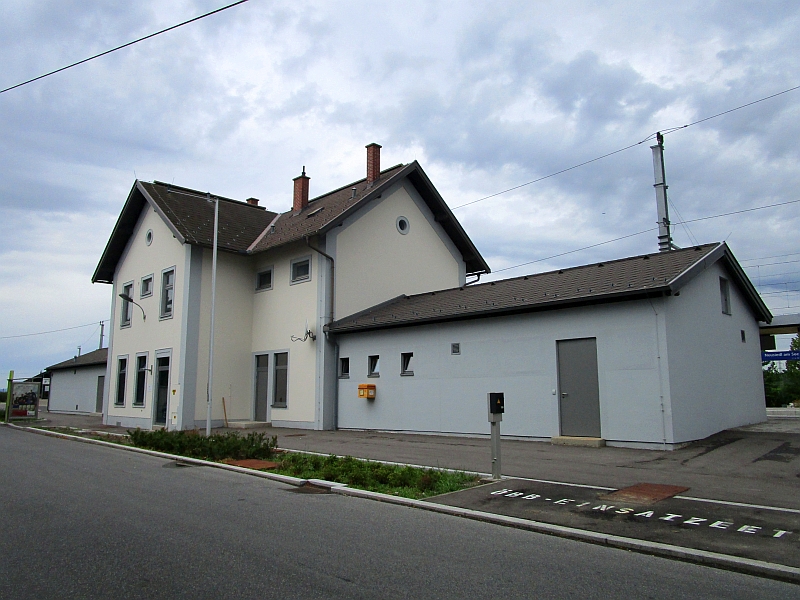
{"x": 702, "y": 557}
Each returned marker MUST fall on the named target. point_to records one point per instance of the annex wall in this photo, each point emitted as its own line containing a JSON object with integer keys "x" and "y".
{"x": 515, "y": 355}
{"x": 715, "y": 377}
{"x": 74, "y": 390}
{"x": 375, "y": 262}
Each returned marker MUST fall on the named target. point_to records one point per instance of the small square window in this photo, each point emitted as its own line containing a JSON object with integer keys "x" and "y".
{"x": 264, "y": 280}
{"x": 725, "y": 295}
{"x": 455, "y": 348}
{"x": 301, "y": 269}
{"x": 374, "y": 366}
{"x": 146, "y": 288}
{"x": 344, "y": 367}
{"x": 406, "y": 368}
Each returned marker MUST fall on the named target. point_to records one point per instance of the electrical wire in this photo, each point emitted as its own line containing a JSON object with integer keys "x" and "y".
{"x": 136, "y": 41}
{"x": 649, "y": 137}
{"x": 8, "y": 337}
{"x": 768, "y": 257}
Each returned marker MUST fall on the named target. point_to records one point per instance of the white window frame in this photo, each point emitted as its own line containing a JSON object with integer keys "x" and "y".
{"x": 455, "y": 348}
{"x": 271, "y": 270}
{"x": 142, "y": 294}
{"x": 725, "y": 295}
{"x": 342, "y": 373}
{"x": 374, "y": 368}
{"x": 137, "y": 374}
{"x": 163, "y": 314}
{"x": 292, "y": 263}
{"x": 117, "y": 400}
{"x": 126, "y": 309}
{"x": 274, "y": 383}
{"x": 405, "y": 364}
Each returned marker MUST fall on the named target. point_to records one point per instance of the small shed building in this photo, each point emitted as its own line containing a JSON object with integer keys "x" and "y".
{"x": 76, "y": 385}
{"x": 647, "y": 351}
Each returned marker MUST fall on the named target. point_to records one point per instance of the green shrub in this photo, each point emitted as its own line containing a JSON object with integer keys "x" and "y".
{"x": 409, "y": 482}
{"x": 214, "y": 447}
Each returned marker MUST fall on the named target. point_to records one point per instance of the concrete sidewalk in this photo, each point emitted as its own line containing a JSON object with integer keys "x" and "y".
{"x": 757, "y": 465}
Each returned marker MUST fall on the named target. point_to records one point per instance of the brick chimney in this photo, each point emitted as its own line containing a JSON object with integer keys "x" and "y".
{"x": 373, "y": 162}
{"x": 252, "y": 201}
{"x": 300, "y": 191}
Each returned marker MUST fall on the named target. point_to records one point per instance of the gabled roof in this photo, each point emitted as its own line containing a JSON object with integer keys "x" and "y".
{"x": 90, "y": 359}
{"x": 329, "y": 210}
{"x": 244, "y": 228}
{"x": 648, "y": 275}
{"x": 189, "y": 216}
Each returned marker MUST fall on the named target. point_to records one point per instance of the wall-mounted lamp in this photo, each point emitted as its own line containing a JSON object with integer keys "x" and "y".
{"x": 132, "y": 301}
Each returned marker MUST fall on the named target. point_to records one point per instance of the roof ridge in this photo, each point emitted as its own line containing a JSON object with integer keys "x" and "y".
{"x": 339, "y": 189}
{"x": 191, "y": 192}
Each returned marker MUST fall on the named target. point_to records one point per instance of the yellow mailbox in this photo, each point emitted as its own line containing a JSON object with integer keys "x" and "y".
{"x": 366, "y": 390}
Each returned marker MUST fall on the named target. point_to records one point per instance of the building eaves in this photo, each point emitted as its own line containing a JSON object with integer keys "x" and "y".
{"x": 624, "y": 279}
{"x": 90, "y": 359}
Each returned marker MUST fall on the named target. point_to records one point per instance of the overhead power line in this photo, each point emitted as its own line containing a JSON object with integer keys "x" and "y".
{"x": 628, "y": 147}
{"x": 8, "y": 337}
{"x": 630, "y": 235}
{"x": 136, "y": 41}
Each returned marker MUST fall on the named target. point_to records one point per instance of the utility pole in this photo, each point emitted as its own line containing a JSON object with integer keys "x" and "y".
{"x": 664, "y": 235}
{"x": 102, "y": 331}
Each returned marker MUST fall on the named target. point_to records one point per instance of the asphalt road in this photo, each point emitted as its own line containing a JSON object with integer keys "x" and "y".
{"x": 83, "y": 521}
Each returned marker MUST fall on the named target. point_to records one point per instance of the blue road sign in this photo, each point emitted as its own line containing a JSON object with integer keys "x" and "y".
{"x": 781, "y": 355}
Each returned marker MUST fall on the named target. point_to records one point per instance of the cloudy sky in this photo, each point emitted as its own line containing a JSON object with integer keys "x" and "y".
{"x": 487, "y": 96}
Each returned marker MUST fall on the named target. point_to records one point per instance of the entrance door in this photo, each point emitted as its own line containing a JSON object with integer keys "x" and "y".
{"x": 262, "y": 391}
{"x": 101, "y": 384}
{"x": 579, "y": 392}
{"x": 162, "y": 390}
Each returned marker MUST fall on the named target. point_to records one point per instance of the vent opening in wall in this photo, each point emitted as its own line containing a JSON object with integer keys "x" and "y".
{"x": 148, "y": 237}
{"x": 402, "y": 225}
{"x": 455, "y": 348}
{"x": 744, "y": 337}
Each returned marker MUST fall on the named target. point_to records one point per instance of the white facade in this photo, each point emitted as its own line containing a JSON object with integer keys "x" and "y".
{"x": 670, "y": 370}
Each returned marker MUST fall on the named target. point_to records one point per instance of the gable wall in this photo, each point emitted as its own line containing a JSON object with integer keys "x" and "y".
{"x": 152, "y": 334}
{"x": 374, "y": 262}
{"x": 715, "y": 379}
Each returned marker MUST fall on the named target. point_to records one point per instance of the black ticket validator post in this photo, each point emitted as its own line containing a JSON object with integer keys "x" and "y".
{"x": 496, "y": 401}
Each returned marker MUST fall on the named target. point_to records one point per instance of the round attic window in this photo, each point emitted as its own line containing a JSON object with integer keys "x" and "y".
{"x": 402, "y": 225}
{"x": 148, "y": 237}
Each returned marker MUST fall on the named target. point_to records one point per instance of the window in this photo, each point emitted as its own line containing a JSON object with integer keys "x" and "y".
{"x": 148, "y": 237}
{"x": 725, "y": 295}
{"x": 146, "y": 288}
{"x": 167, "y": 292}
{"x": 744, "y": 337}
{"x": 374, "y": 366}
{"x": 127, "y": 307}
{"x": 264, "y": 280}
{"x": 281, "y": 379}
{"x": 301, "y": 269}
{"x": 455, "y": 348}
{"x": 122, "y": 370}
{"x": 406, "y": 368}
{"x": 141, "y": 379}
{"x": 344, "y": 367}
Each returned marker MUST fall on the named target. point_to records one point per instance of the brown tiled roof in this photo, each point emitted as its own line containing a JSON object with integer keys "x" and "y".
{"x": 321, "y": 211}
{"x": 193, "y": 216}
{"x": 90, "y": 359}
{"x": 599, "y": 282}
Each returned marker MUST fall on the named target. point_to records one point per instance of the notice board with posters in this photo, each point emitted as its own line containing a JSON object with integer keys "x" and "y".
{"x": 25, "y": 399}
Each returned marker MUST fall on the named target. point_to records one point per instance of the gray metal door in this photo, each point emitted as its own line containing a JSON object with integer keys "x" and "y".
{"x": 101, "y": 383}
{"x": 578, "y": 389}
{"x": 262, "y": 390}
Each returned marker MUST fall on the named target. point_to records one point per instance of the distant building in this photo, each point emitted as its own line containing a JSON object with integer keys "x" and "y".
{"x": 77, "y": 384}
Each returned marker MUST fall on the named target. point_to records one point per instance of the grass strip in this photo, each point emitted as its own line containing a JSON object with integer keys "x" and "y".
{"x": 404, "y": 481}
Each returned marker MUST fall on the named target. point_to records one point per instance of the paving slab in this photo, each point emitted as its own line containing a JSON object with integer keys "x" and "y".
{"x": 762, "y": 534}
